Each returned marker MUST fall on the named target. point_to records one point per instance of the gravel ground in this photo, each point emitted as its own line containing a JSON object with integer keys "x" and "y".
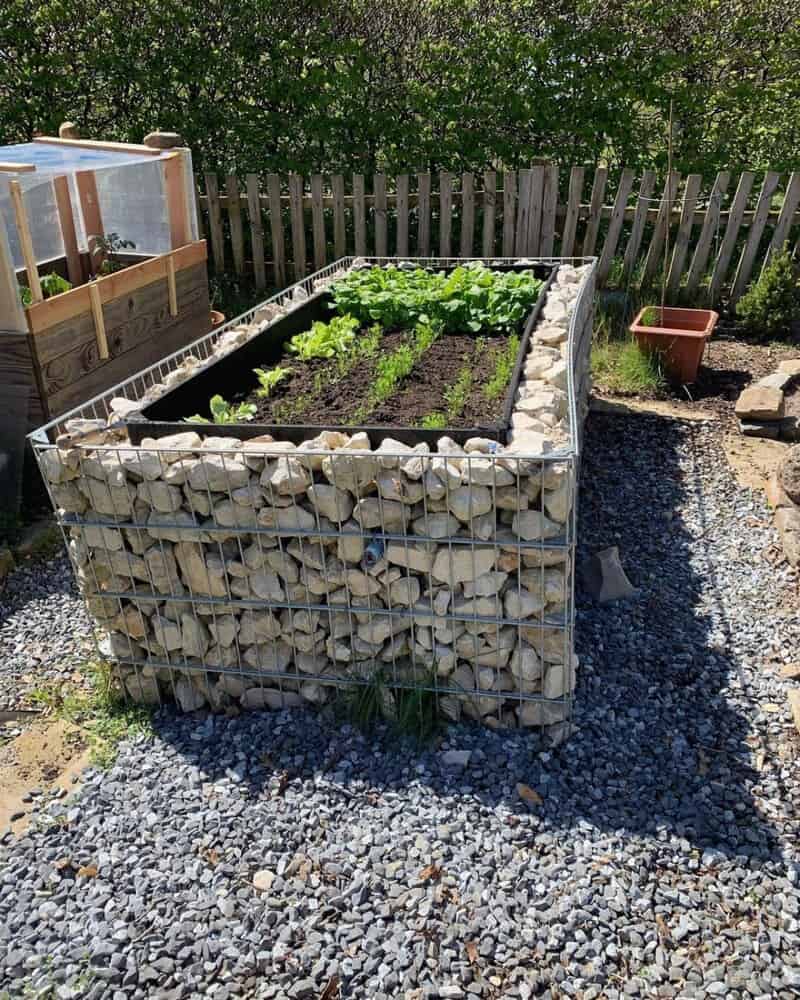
{"x": 264, "y": 855}
{"x": 45, "y": 632}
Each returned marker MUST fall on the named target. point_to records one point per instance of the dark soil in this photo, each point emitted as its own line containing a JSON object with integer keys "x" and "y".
{"x": 731, "y": 363}
{"x": 316, "y": 394}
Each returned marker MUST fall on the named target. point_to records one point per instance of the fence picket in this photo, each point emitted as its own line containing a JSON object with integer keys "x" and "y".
{"x": 235, "y": 222}
{"x": 256, "y": 231}
{"x": 731, "y": 232}
{"x": 663, "y": 222}
{"x": 595, "y": 207}
{"x": 523, "y": 212}
{"x": 646, "y": 189}
{"x": 381, "y": 222}
{"x": 489, "y": 196}
{"x": 359, "y": 215}
{"x": 549, "y": 208}
{"x": 339, "y": 229}
{"x": 467, "y": 214}
{"x": 424, "y": 215}
{"x": 402, "y": 216}
{"x": 535, "y": 213}
{"x": 791, "y": 200}
{"x": 754, "y": 234}
{"x": 215, "y": 223}
{"x": 317, "y": 222}
{"x": 573, "y": 211}
{"x": 298, "y": 226}
{"x": 445, "y": 212}
{"x": 614, "y": 226}
{"x": 690, "y": 193}
{"x": 509, "y": 211}
{"x": 709, "y": 231}
{"x": 276, "y": 229}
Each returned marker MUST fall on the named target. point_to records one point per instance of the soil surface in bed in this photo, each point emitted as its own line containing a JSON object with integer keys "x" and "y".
{"x": 316, "y": 392}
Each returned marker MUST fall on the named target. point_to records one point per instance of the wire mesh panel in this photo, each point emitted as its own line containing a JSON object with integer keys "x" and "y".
{"x": 268, "y": 573}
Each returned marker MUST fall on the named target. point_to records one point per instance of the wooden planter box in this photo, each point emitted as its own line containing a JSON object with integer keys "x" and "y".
{"x": 86, "y": 340}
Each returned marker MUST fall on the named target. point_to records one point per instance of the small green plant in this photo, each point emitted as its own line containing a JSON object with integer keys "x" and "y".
{"x": 434, "y": 421}
{"x": 504, "y": 362}
{"x": 391, "y": 370}
{"x": 223, "y": 412}
{"x": 771, "y": 304}
{"x": 109, "y": 246}
{"x": 621, "y": 366}
{"x": 409, "y": 711}
{"x": 99, "y": 709}
{"x": 651, "y": 316}
{"x": 325, "y": 340}
{"x": 52, "y": 284}
{"x": 269, "y": 378}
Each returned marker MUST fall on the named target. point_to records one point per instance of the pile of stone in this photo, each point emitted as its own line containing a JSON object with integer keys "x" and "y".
{"x": 760, "y": 407}
{"x": 262, "y": 573}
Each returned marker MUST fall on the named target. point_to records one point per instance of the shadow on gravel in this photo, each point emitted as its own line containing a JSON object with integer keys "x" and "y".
{"x": 662, "y": 744}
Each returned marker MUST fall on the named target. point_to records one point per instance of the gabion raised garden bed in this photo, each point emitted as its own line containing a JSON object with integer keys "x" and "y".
{"x": 268, "y": 561}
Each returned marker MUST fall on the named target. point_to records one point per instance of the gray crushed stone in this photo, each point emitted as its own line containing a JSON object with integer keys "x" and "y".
{"x": 662, "y": 861}
{"x": 45, "y": 631}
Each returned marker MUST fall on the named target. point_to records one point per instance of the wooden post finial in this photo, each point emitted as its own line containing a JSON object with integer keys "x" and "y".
{"x": 163, "y": 140}
{"x": 68, "y": 130}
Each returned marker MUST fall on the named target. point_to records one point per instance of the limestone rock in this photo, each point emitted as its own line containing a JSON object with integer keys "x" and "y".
{"x": 218, "y": 473}
{"x": 459, "y": 563}
{"x": 789, "y": 473}
{"x": 188, "y": 696}
{"x": 197, "y": 572}
{"x": 467, "y": 502}
{"x": 331, "y": 502}
{"x": 760, "y": 403}
{"x": 532, "y": 525}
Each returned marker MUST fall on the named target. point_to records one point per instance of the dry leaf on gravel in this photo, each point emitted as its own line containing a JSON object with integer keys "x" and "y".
{"x": 87, "y": 871}
{"x": 472, "y": 952}
{"x": 530, "y": 795}
{"x": 430, "y": 872}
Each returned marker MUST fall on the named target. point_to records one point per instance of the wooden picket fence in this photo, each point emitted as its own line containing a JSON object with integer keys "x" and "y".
{"x": 714, "y": 242}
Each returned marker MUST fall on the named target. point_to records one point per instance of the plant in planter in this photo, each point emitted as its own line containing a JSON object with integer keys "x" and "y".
{"x": 679, "y": 335}
{"x": 268, "y": 379}
{"x": 222, "y": 412}
{"x": 109, "y": 246}
{"x": 52, "y": 284}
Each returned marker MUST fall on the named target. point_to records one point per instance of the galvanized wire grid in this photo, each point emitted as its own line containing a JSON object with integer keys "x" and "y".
{"x": 221, "y": 574}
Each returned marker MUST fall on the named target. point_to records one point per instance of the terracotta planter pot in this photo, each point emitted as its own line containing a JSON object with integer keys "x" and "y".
{"x": 217, "y": 318}
{"x": 680, "y": 338}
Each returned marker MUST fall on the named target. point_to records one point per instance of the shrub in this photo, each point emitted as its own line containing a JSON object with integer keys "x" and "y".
{"x": 771, "y": 303}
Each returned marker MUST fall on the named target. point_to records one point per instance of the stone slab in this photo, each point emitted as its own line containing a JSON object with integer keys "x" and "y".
{"x": 760, "y": 403}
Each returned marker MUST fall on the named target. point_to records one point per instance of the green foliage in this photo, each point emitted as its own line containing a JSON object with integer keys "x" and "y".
{"x": 223, "y": 412}
{"x": 771, "y": 303}
{"x": 110, "y": 245}
{"x": 505, "y": 359}
{"x": 325, "y": 340}
{"x": 651, "y": 316}
{"x": 622, "y": 367}
{"x": 470, "y": 299}
{"x": 445, "y": 84}
{"x": 52, "y": 284}
{"x": 393, "y": 368}
{"x": 409, "y": 711}
{"x": 99, "y": 708}
{"x": 269, "y": 378}
{"x": 434, "y": 421}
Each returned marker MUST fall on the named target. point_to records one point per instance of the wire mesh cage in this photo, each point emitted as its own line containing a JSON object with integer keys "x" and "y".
{"x": 266, "y": 572}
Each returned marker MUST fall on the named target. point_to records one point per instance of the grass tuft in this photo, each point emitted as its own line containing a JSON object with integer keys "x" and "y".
{"x": 410, "y": 712}
{"x": 503, "y": 369}
{"x": 100, "y": 710}
{"x": 621, "y": 366}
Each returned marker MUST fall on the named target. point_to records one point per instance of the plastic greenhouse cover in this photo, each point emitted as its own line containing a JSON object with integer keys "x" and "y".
{"x": 130, "y": 191}
{"x": 66, "y": 159}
